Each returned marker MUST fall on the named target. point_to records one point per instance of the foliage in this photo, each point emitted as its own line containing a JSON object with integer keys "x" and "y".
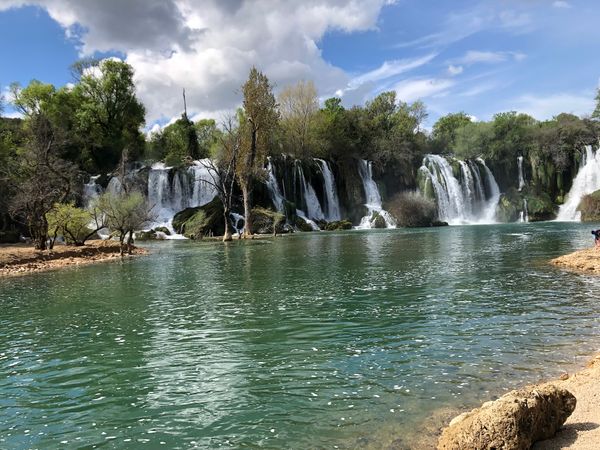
{"x": 37, "y": 174}
{"x": 411, "y": 209}
{"x": 73, "y": 223}
{"x": 445, "y": 129}
{"x": 123, "y": 214}
{"x": 260, "y": 117}
{"x": 176, "y": 143}
{"x": 109, "y": 115}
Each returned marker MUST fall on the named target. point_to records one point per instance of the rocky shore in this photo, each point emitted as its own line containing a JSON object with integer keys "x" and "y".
{"x": 560, "y": 414}
{"x": 587, "y": 260}
{"x": 23, "y": 259}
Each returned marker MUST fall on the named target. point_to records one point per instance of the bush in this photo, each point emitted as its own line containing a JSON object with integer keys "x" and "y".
{"x": 590, "y": 207}
{"x": 411, "y": 209}
{"x": 9, "y": 237}
{"x": 70, "y": 222}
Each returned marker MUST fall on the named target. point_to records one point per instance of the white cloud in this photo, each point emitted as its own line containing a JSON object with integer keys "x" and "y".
{"x": 477, "y": 56}
{"x": 561, "y": 4}
{"x": 548, "y": 106}
{"x": 208, "y": 46}
{"x": 420, "y": 88}
{"x": 390, "y": 69}
{"x": 455, "y": 70}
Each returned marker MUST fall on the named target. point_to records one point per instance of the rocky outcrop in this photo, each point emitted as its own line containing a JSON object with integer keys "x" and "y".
{"x": 196, "y": 223}
{"x": 589, "y": 206}
{"x": 513, "y": 422}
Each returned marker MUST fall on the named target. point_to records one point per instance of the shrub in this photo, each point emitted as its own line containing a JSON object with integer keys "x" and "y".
{"x": 411, "y": 209}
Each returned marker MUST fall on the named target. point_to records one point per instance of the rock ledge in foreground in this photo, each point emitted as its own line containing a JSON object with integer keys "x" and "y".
{"x": 515, "y": 421}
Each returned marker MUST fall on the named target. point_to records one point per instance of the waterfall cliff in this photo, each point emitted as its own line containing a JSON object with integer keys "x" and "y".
{"x": 464, "y": 191}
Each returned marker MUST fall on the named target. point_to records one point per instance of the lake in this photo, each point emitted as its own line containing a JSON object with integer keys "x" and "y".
{"x": 316, "y": 340}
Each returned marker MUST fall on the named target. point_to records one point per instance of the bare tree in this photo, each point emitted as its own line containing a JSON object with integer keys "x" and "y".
{"x": 299, "y": 105}
{"x": 222, "y": 171}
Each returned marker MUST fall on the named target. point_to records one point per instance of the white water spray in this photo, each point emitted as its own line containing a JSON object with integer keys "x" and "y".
{"x": 586, "y": 182}
{"x": 472, "y": 199}
{"x": 333, "y": 204}
{"x": 373, "y": 198}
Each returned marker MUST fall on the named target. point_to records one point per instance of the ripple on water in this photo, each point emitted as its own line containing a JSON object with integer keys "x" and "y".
{"x": 346, "y": 340}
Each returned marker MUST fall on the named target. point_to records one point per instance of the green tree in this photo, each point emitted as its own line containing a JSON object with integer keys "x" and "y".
{"x": 176, "y": 143}
{"x": 260, "y": 118}
{"x": 110, "y": 115}
{"x": 473, "y": 140}
{"x": 39, "y": 174}
{"x": 444, "y": 130}
{"x": 124, "y": 214}
{"x": 208, "y": 135}
{"x": 73, "y": 223}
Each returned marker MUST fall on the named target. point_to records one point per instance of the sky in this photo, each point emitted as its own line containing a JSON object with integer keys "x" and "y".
{"x": 540, "y": 57}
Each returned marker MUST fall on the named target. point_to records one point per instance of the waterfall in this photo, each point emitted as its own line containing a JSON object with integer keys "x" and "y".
{"x": 313, "y": 207}
{"x": 273, "y": 187}
{"x": 333, "y": 204}
{"x": 91, "y": 191}
{"x": 203, "y": 177}
{"x": 169, "y": 193}
{"x": 524, "y": 214}
{"x": 521, "y": 176}
{"x": 586, "y": 182}
{"x": 470, "y": 198}
{"x": 373, "y": 198}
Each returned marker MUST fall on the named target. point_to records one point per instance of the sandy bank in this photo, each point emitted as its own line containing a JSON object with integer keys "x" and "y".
{"x": 581, "y": 431}
{"x": 587, "y": 260}
{"x": 24, "y": 259}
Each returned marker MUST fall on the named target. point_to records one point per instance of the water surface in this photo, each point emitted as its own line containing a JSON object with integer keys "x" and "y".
{"x": 317, "y": 340}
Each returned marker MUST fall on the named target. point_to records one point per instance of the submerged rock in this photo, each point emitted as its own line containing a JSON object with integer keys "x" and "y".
{"x": 515, "y": 421}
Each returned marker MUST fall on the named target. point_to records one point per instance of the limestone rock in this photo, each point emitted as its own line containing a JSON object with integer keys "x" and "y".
{"x": 513, "y": 422}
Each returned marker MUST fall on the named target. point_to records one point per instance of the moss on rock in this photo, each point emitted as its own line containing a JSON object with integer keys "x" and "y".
{"x": 196, "y": 223}
{"x": 590, "y": 207}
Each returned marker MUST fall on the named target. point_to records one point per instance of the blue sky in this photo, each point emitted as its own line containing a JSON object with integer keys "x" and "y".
{"x": 481, "y": 57}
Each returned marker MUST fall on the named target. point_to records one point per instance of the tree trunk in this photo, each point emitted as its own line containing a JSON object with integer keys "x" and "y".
{"x": 247, "y": 210}
{"x": 227, "y": 234}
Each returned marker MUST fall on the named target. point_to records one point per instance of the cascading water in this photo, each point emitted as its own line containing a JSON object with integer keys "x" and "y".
{"x": 472, "y": 199}
{"x": 171, "y": 191}
{"x": 521, "y": 176}
{"x": 313, "y": 207}
{"x": 373, "y": 198}
{"x": 333, "y": 204}
{"x": 524, "y": 215}
{"x": 91, "y": 191}
{"x": 586, "y": 182}
{"x": 273, "y": 187}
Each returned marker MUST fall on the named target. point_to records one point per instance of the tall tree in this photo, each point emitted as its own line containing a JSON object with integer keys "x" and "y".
{"x": 260, "y": 118}
{"x": 222, "y": 169}
{"x": 110, "y": 115}
{"x": 444, "y": 130}
{"x": 41, "y": 177}
{"x": 298, "y": 105}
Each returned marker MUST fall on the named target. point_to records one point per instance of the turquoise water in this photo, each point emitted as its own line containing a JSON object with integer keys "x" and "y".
{"x": 309, "y": 341}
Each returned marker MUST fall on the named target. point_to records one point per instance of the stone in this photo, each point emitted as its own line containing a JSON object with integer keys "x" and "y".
{"x": 515, "y": 421}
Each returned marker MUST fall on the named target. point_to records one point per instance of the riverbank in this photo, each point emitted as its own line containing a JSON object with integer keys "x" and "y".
{"x": 581, "y": 430}
{"x": 586, "y": 260}
{"x": 24, "y": 259}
